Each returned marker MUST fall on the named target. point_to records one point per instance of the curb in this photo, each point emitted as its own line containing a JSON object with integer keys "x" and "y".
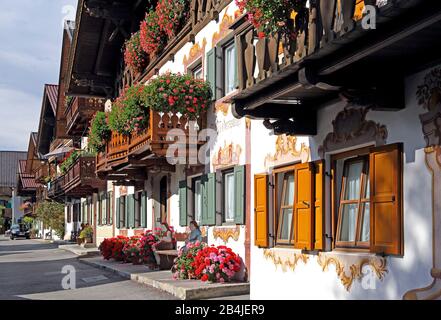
{"x": 183, "y": 293}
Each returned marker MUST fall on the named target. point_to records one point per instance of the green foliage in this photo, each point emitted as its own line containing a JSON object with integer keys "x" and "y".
{"x": 28, "y": 221}
{"x": 272, "y": 16}
{"x": 86, "y": 233}
{"x": 73, "y": 157}
{"x": 67, "y": 101}
{"x": 52, "y": 216}
{"x": 99, "y": 132}
{"x": 178, "y": 93}
{"x": 129, "y": 111}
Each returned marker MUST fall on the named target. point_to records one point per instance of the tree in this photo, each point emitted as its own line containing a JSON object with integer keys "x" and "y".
{"x": 52, "y": 216}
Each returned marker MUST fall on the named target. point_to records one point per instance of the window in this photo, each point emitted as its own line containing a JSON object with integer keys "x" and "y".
{"x": 354, "y": 204}
{"x": 197, "y": 199}
{"x": 228, "y": 196}
{"x": 122, "y": 210}
{"x": 285, "y": 206}
{"x": 103, "y": 207}
{"x": 197, "y": 72}
{"x": 138, "y": 209}
{"x": 229, "y": 69}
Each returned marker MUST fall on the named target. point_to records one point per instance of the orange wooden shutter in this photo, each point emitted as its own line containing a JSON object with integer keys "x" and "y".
{"x": 261, "y": 210}
{"x": 385, "y": 205}
{"x": 304, "y": 206}
{"x": 319, "y": 243}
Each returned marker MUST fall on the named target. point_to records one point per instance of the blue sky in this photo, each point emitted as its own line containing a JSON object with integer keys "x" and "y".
{"x": 30, "y": 51}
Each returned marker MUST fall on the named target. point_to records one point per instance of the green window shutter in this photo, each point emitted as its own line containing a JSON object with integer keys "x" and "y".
{"x": 210, "y": 190}
{"x": 110, "y": 206}
{"x": 118, "y": 212}
{"x": 239, "y": 194}
{"x": 183, "y": 203}
{"x": 104, "y": 209}
{"x": 131, "y": 201}
{"x": 126, "y": 211}
{"x": 236, "y": 76}
{"x": 211, "y": 71}
{"x": 144, "y": 209}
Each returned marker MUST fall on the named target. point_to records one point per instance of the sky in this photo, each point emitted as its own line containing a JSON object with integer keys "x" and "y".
{"x": 30, "y": 50}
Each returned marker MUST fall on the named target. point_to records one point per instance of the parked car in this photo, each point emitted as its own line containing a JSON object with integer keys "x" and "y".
{"x": 20, "y": 231}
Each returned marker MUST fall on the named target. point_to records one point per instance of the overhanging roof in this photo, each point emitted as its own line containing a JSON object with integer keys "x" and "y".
{"x": 101, "y": 29}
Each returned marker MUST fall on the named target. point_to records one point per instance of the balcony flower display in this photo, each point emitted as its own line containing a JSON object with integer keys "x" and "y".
{"x": 270, "y": 17}
{"x": 214, "y": 264}
{"x": 129, "y": 111}
{"x": 70, "y": 159}
{"x": 99, "y": 132}
{"x": 134, "y": 57}
{"x": 172, "y": 15}
{"x": 152, "y": 38}
{"x": 178, "y": 93}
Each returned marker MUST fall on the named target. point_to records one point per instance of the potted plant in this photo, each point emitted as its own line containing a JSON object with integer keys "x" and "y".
{"x": 86, "y": 236}
{"x": 130, "y": 112}
{"x": 152, "y": 37}
{"x": 178, "y": 93}
{"x": 172, "y": 15}
{"x": 270, "y": 17}
{"x": 99, "y": 132}
{"x": 134, "y": 57}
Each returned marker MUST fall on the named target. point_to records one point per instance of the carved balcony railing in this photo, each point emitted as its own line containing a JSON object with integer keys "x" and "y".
{"x": 79, "y": 112}
{"x": 56, "y": 188}
{"x": 263, "y": 61}
{"x": 80, "y": 180}
{"x": 152, "y": 143}
{"x": 42, "y": 173}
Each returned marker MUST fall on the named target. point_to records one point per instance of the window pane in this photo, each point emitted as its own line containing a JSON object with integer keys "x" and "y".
{"x": 197, "y": 73}
{"x": 353, "y": 176}
{"x": 198, "y": 200}
{"x": 286, "y": 224}
{"x": 289, "y": 193}
{"x": 365, "y": 227}
{"x": 229, "y": 196}
{"x": 348, "y": 227}
{"x": 230, "y": 69}
{"x": 367, "y": 186}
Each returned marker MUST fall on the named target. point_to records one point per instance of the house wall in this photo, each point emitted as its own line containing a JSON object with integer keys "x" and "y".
{"x": 322, "y": 276}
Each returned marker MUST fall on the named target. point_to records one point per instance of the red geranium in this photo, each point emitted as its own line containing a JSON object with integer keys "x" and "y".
{"x": 134, "y": 57}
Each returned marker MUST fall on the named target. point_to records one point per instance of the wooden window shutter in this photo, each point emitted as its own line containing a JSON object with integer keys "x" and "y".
{"x": 183, "y": 203}
{"x": 319, "y": 211}
{"x": 131, "y": 207}
{"x": 239, "y": 196}
{"x": 304, "y": 206}
{"x": 118, "y": 212}
{"x": 211, "y": 71}
{"x": 144, "y": 209}
{"x": 386, "y": 201}
{"x": 261, "y": 230}
{"x": 209, "y": 199}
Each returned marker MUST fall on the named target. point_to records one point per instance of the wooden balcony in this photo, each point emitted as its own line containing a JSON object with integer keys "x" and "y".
{"x": 79, "y": 112}
{"x": 42, "y": 173}
{"x": 335, "y": 56}
{"x": 56, "y": 188}
{"x": 80, "y": 180}
{"x": 127, "y": 157}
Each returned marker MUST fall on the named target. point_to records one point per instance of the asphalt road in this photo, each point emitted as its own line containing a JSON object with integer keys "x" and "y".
{"x": 30, "y": 269}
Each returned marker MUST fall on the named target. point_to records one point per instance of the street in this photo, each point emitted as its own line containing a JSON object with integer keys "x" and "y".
{"x": 31, "y": 269}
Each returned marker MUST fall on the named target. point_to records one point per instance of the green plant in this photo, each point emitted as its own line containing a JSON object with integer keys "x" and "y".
{"x": 69, "y": 161}
{"x": 178, "y": 93}
{"x": 28, "y": 221}
{"x": 52, "y": 216}
{"x": 67, "y": 101}
{"x": 99, "y": 132}
{"x": 130, "y": 112}
{"x": 270, "y": 17}
{"x": 86, "y": 233}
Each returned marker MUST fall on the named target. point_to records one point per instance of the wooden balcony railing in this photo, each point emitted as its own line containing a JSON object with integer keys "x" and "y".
{"x": 79, "y": 112}
{"x": 80, "y": 179}
{"x": 56, "y": 187}
{"x": 42, "y": 173}
{"x": 154, "y": 141}
{"x": 262, "y": 58}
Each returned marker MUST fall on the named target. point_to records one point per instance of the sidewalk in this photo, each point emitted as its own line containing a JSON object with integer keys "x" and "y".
{"x": 80, "y": 251}
{"x": 182, "y": 289}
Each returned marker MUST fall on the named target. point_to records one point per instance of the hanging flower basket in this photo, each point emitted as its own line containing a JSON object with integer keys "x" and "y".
{"x": 130, "y": 112}
{"x": 270, "y": 17}
{"x": 152, "y": 38}
{"x": 172, "y": 15}
{"x": 134, "y": 56}
{"x": 179, "y": 93}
